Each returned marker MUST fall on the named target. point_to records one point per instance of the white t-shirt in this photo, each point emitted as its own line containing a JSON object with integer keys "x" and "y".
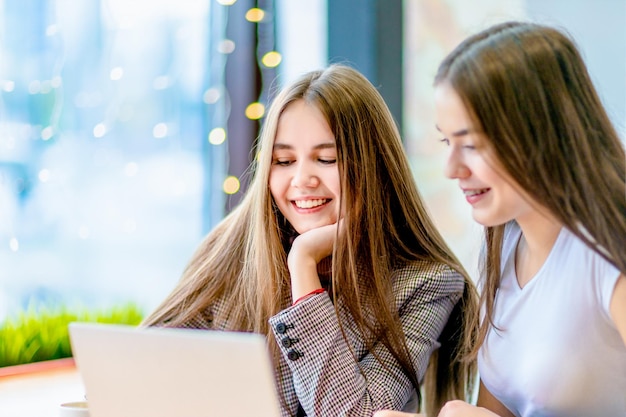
{"x": 557, "y": 353}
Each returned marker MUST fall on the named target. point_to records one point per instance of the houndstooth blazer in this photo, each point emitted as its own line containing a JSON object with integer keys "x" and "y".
{"x": 317, "y": 374}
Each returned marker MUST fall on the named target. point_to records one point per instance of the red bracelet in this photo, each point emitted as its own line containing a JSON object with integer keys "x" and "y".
{"x": 317, "y": 291}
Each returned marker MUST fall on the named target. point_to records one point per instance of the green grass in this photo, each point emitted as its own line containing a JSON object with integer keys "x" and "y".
{"x": 41, "y": 333}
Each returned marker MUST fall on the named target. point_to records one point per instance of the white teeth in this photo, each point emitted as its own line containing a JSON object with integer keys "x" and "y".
{"x": 475, "y": 192}
{"x": 309, "y": 203}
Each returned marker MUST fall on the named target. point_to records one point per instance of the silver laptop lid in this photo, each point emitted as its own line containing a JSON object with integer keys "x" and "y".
{"x": 158, "y": 372}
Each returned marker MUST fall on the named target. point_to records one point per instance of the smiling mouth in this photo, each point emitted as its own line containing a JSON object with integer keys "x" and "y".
{"x": 308, "y": 204}
{"x": 471, "y": 193}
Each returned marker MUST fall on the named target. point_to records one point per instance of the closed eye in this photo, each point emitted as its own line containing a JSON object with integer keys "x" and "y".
{"x": 327, "y": 161}
{"x": 282, "y": 162}
{"x": 447, "y": 142}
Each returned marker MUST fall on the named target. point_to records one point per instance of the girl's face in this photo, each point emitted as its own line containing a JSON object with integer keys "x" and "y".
{"x": 304, "y": 177}
{"x": 488, "y": 189}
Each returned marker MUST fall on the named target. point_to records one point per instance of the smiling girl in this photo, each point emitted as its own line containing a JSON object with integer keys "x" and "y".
{"x": 534, "y": 153}
{"x": 332, "y": 255}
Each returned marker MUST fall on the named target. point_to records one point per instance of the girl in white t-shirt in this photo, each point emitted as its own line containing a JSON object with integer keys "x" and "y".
{"x": 537, "y": 158}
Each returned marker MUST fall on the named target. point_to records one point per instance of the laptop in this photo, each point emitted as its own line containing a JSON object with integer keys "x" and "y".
{"x": 129, "y": 371}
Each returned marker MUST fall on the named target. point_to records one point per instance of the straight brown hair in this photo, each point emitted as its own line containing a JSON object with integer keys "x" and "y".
{"x": 528, "y": 91}
{"x": 385, "y": 226}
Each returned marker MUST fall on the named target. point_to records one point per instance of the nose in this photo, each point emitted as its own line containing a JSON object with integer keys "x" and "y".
{"x": 455, "y": 166}
{"x": 304, "y": 176}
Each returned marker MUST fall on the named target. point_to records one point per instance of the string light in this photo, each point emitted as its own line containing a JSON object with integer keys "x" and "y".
{"x": 8, "y": 85}
{"x": 255, "y": 15}
{"x": 116, "y": 73}
{"x": 159, "y": 130}
{"x": 271, "y": 59}
{"x": 211, "y": 96}
{"x": 231, "y": 185}
{"x": 255, "y": 111}
{"x": 226, "y": 47}
{"x": 99, "y": 130}
{"x": 217, "y": 136}
{"x": 44, "y": 175}
{"x": 46, "y": 133}
{"x": 88, "y": 99}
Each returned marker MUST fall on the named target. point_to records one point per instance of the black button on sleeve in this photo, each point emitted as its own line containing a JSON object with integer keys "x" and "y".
{"x": 294, "y": 355}
{"x": 282, "y": 327}
{"x": 288, "y": 342}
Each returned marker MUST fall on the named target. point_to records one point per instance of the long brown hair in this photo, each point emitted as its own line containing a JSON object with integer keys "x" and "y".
{"x": 528, "y": 91}
{"x": 385, "y": 225}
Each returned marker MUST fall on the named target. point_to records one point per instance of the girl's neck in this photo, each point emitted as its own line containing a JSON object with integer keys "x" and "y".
{"x": 539, "y": 234}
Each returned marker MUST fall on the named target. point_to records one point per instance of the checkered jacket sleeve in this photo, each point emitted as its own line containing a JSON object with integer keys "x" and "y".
{"x": 317, "y": 368}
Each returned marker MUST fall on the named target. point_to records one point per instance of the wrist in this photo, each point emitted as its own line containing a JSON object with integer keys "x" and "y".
{"x": 316, "y": 291}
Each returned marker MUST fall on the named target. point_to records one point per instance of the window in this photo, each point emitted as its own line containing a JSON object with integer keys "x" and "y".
{"x": 106, "y": 174}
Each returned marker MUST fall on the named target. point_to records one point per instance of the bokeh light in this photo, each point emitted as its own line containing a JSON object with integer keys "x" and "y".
{"x": 99, "y": 130}
{"x": 255, "y": 15}
{"x": 226, "y": 47}
{"x": 116, "y": 73}
{"x": 46, "y": 133}
{"x": 211, "y": 96}
{"x": 231, "y": 185}
{"x": 159, "y": 130}
{"x": 44, "y": 175}
{"x": 271, "y": 59}
{"x": 217, "y": 136}
{"x": 255, "y": 111}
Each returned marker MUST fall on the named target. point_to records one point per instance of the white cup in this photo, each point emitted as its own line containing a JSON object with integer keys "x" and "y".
{"x": 74, "y": 409}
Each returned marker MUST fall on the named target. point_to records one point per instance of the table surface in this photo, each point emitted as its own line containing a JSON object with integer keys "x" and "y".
{"x": 39, "y": 393}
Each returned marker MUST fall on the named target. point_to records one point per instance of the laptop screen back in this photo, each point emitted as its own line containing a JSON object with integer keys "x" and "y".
{"x": 159, "y": 372}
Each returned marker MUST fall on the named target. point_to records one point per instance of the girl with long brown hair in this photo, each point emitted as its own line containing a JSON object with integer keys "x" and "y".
{"x": 543, "y": 168}
{"x": 333, "y": 256}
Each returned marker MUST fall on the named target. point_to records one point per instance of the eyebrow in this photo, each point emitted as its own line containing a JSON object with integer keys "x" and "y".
{"x": 458, "y": 133}
{"x": 325, "y": 145}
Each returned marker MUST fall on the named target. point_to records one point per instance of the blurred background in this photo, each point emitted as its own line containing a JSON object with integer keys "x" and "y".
{"x": 126, "y": 126}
